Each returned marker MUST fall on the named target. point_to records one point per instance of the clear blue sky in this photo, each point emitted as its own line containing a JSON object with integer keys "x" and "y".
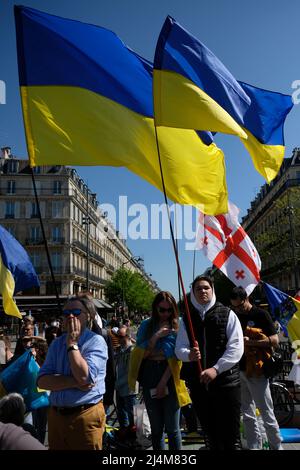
{"x": 257, "y": 41}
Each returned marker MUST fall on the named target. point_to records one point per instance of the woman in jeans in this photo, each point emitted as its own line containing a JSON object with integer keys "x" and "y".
{"x": 154, "y": 362}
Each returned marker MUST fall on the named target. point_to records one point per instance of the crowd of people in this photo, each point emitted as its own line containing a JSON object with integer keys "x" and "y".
{"x": 87, "y": 366}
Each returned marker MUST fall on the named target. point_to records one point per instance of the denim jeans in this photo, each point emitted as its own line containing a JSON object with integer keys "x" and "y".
{"x": 164, "y": 413}
{"x": 125, "y": 409}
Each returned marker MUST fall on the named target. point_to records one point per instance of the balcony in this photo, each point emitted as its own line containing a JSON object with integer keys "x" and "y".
{"x": 110, "y": 268}
{"x": 34, "y": 241}
{"x": 97, "y": 257}
{"x": 97, "y": 279}
{"x": 79, "y": 245}
{"x": 79, "y": 272}
{"x": 58, "y": 240}
{"x": 44, "y": 269}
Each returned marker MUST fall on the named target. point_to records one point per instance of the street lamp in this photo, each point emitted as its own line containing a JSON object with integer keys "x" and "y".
{"x": 133, "y": 258}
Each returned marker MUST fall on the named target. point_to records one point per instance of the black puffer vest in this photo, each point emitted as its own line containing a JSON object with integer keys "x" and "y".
{"x": 212, "y": 339}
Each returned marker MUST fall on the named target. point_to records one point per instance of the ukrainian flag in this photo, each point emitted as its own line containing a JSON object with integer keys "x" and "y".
{"x": 16, "y": 272}
{"x": 194, "y": 90}
{"x": 21, "y": 377}
{"x": 87, "y": 100}
{"x": 285, "y": 309}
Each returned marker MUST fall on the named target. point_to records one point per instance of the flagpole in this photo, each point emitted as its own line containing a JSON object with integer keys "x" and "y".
{"x": 187, "y": 310}
{"x": 194, "y": 262}
{"x": 45, "y": 242}
{"x": 179, "y": 291}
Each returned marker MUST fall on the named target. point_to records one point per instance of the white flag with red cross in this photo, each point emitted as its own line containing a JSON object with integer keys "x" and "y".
{"x": 228, "y": 247}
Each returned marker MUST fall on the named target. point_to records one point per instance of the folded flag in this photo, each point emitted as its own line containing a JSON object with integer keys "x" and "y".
{"x": 16, "y": 271}
{"x": 21, "y": 377}
{"x": 192, "y": 86}
{"x": 229, "y": 248}
{"x": 285, "y": 309}
{"x": 93, "y": 105}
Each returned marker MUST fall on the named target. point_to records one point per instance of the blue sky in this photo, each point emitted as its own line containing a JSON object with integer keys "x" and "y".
{"x": 257, "y": 41}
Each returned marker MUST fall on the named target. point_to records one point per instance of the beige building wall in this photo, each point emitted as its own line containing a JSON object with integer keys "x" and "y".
{"x": 69, "y": 211}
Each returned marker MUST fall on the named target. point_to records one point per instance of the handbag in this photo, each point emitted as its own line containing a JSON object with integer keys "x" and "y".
{"x": 142, "y": 423}
{"x": 274, "y": 365}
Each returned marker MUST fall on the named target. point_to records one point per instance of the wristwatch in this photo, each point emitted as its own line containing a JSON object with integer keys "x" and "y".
{"x": 74, "y": 347}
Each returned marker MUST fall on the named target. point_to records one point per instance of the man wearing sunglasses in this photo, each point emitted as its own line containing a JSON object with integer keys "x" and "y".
{"x": 255, "y": 388}
{"x": 74, "y": 371}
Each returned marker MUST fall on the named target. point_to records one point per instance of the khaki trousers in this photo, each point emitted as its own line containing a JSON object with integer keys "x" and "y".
{"x": 82, "y": 430}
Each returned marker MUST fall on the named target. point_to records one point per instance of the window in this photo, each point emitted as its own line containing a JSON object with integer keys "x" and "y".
{"x": 35, "y": 234}
{"x": 34, "y": 210}
{"x": 56, "y": 187}
{"x": 37, "y": 170}
{"x": 9, "y": 210}
{"x": 11, "y": 187}
{"x": 56, "y": 209}
{"x": 56, "y": 262}
{"x": 56, "y": 234}
{"x": 36, "y": 260}
{"x": 12, "y": 166}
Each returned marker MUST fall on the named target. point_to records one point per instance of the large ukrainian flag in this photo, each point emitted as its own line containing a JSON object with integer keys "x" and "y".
{"x": 16, "y": 272}
{"x": 87, "y": 100}
{"x": 190, "y": 81}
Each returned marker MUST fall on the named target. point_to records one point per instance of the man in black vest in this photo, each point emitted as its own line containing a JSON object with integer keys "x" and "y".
{"x": 216, "y": 393}
{"x": 254, "y": 385}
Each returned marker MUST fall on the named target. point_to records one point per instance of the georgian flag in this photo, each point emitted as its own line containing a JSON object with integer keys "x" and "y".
{"x": 228, "y": 247}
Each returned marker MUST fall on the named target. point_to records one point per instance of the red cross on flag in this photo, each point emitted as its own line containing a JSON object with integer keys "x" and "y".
{"x": 228, "y": 247}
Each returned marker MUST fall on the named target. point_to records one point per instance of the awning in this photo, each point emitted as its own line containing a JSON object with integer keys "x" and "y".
{"x": 105, "y": 305}
{"x": 101, "y": 304}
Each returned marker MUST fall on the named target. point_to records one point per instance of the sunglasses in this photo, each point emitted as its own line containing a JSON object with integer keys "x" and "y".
{"x": 163, "y": 310}
{"x": 73, "y": 311}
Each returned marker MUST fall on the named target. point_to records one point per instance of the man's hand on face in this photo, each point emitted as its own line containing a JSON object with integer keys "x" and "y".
{"x": 73, "y": 330}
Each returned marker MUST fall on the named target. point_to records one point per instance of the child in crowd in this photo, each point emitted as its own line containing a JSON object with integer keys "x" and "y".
{"x": 125, "y": 398}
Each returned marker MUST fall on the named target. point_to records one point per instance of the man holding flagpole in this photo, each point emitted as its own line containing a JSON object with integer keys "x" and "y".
{"x": 216, "y": 392}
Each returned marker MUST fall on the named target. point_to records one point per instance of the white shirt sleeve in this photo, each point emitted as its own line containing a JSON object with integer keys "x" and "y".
{"x": 182, "y": 346}
{"x": 234, "y": 347}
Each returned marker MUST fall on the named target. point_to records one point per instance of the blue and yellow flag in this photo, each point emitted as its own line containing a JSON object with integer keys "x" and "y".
{"x": 192, "y": 88}
{"x": 87, "y": 100}
{"x": 16, "y": 271}
{"x": 20, "y": 377}
{"x": 285, "y": 309}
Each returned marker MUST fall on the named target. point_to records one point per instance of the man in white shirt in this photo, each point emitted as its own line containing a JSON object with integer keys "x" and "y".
{"x": 216, "y": 394}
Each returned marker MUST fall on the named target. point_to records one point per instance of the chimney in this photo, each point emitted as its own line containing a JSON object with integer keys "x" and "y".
{"x": 6, "y": 152}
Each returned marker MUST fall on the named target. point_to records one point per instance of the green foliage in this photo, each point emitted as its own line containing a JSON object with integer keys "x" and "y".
{"x": 275, "y": 243}
{"x": 131, "y": 288}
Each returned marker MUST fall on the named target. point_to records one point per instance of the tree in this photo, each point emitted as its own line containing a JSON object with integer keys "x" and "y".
{"x": 129, "y": 288}
{"x": 278, "y": 244}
